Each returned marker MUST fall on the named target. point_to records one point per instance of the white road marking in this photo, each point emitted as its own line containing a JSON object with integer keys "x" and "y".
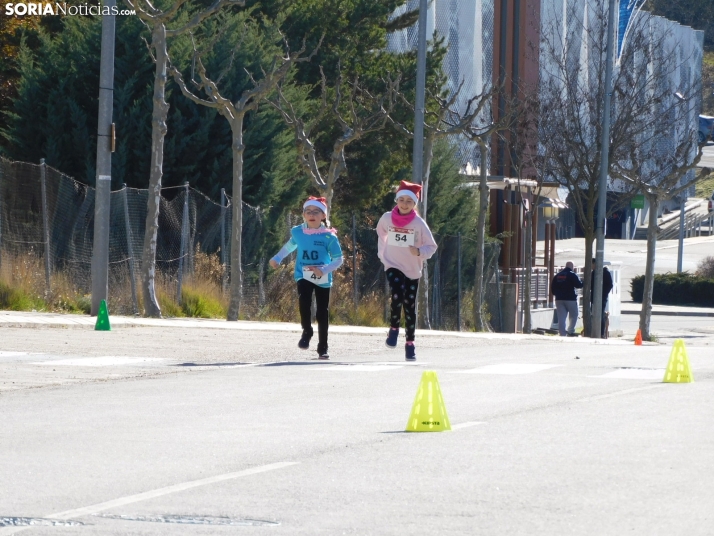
{"x": 358, "y": 367}
{"x": 618, "y": 393}
{"x": 12, "y": 354}
{"x": 466, "y": 424}
{"x": 104, "y": 361}
{"x": 634, "y": 374}
{"x": 160, "y": 492}
{"x": 507, "y": 368}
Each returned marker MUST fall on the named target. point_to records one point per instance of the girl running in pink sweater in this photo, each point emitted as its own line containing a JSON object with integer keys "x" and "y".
{"x": 405, "y": 242}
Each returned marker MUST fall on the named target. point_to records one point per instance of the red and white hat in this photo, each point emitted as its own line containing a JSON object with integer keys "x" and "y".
{"x": 410, "y": 190}
{"x": 319, "y": 202}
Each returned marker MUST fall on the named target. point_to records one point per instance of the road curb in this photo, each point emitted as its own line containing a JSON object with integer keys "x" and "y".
{"x": 671, "y": 313}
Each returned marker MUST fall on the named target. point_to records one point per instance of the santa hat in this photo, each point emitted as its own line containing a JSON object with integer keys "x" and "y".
{"x": 319, "y": 202}
{"x": 410, "y": 190}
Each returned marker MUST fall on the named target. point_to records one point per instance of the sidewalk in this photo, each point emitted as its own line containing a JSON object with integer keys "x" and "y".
{"x": 632, "y": 308}
{"x": 14, "y": 319}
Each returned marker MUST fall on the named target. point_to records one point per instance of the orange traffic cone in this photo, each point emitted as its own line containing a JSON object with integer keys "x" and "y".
{"x": 638, "y": 338}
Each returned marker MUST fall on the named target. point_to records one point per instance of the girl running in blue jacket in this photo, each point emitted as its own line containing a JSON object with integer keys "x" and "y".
{"x": 318, "y": 255}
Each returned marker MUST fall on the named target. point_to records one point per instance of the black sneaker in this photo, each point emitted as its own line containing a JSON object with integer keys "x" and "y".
{"x": 322, "y": 352}
{"x": 304, "y": 342}
{"x": 410, "y": 352}
{"x": 392, "y": 337}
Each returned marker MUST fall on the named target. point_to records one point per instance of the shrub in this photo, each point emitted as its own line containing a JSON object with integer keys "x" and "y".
{"x": 197, "y": 304}
{"x": 16, "y": 299}
{"x": 705, "y": 268}
{"x": 676, "y": 289}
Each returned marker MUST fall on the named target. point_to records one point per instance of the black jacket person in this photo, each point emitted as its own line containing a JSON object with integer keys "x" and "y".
{"x": 606, "y": 288}
{"x": 563, "y": 288}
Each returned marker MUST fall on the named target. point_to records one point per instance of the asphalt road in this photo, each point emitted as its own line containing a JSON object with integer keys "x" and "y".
{"x": 708, "y": 156}
{"x": 122, "y": 430}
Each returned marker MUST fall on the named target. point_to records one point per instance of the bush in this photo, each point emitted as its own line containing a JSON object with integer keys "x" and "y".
{"x": 197, "y": 304}
{"x": 16, "y": 299}
{"x": 676, "y": 289}
{"x": 705, "y": 268}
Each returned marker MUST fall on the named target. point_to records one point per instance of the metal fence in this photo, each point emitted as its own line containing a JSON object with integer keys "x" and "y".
{"x": 47, "y": 227}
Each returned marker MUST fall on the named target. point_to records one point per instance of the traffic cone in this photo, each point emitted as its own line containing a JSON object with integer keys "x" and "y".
{"x": 638, "y": 338}
{"x": 428, "y": 412}
{"x": 678, "y": 369}
{"x": 102, "y": 318}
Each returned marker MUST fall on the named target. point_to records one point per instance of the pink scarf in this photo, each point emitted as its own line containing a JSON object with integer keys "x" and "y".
{"x": 402, "y": 220}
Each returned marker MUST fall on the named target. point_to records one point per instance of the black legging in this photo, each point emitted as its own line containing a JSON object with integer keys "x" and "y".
{"x": 404, "y": 296}
{"x": 305, "y": 289}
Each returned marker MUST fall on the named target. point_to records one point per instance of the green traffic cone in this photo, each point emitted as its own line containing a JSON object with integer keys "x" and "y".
{"x": 102, "y": 318}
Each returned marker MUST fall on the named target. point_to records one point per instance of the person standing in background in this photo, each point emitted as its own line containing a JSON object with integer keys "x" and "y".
{"x": 566, "y": 302}
{"x": 606, "y": 288}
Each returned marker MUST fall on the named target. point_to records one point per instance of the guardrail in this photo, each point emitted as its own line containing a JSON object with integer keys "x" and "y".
{"x": 692, "y": 226}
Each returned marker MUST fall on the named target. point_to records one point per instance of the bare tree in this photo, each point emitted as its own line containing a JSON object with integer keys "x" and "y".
{"x": 526, "y": 162}
{"x": 572, "y": 95}
{"x": 157, "y": 20}
{"x": 476, "y": 123}
{"x": 234, "y": 112}
{"x": 356, "y": 112}
{"x": 435, "y": 127}
{"x": 660, "y": 165}
{"x": 442, "y": 119}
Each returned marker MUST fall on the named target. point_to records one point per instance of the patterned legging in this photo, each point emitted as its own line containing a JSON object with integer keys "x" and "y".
{"x": 404, "y": 296}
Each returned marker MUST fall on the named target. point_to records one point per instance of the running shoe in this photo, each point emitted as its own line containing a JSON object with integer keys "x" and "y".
{"x": 304, "y": 342}
{"x": 392, "y": 337}
{"x": 322, "y": 352}
{"x": 410, "y": 352}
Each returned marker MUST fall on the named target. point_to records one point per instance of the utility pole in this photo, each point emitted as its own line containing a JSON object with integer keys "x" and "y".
{"x": 418, "y": 154}
{"x": 597, "y": 311}
{"x": 680, "y": 249}
{"x": 105, "y": 147}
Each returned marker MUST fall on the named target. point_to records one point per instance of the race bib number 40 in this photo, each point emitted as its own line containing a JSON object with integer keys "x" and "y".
{"x": 313, "y": 277}
{"x": 402, "y": 238}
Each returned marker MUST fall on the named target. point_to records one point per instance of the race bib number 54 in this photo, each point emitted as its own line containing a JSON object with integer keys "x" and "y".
{"x": 313, "y": 277}
{"x": 402, "y": 238}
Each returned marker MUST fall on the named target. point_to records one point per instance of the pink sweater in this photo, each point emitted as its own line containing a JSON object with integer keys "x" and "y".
{"x": 400, "y": 257}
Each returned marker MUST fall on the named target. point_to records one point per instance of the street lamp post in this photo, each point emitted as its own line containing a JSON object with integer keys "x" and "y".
{"x": 680, "y": 249}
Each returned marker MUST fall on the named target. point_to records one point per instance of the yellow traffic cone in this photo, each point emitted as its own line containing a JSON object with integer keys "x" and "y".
{"x": 678, "y": 369}
{"x": 102, "y": 318}
{"x": 428, "y": 412}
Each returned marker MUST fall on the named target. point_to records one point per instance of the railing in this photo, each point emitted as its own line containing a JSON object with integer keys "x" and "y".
{"x": 692, "y": 226}
{"x": 540, "y": 285}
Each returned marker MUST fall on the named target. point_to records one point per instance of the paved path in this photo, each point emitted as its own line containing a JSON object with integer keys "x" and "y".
{"x": 133, "y": 430}
{"x": 708, "y": 156}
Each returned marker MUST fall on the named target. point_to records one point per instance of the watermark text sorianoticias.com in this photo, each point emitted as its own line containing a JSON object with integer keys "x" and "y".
{"x": 56, "y": 8}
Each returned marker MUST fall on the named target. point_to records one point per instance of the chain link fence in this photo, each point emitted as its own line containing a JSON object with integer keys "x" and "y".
{"x": 46, "y": 236}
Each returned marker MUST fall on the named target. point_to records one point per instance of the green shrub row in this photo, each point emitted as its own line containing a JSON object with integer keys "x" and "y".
{"x": 676, "y": 289}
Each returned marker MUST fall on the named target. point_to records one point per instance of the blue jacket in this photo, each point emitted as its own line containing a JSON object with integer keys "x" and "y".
{"x": 564, "y": 284}
{"x": 315, "y": 247}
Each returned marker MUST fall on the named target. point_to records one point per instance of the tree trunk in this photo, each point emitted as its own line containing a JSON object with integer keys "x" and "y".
{"x": 527, "y": 327}
{"x": 158, "y": 132}
{"x": 237, "y": 227}
{"x": 479, "y": 322}
{"x": 587, "y": 270}
{"x": 646, "y": 312}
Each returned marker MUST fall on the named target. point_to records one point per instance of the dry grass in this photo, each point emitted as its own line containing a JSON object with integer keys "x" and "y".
{"x": 281, "y": 301}
{"x": 23, "y": 287}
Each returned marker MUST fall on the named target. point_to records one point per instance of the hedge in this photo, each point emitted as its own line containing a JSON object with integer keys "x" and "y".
{"x": 676, "y": 289}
